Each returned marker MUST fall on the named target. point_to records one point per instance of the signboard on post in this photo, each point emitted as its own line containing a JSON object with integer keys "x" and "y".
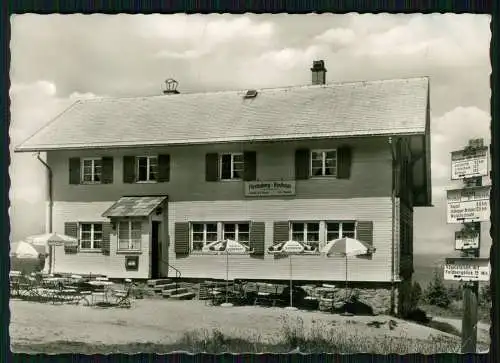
{"x": 466, "y": 240}
{"x": 469, "y": 163}
{"x": 468, "y": 205}
{"x": 467, "y": 269}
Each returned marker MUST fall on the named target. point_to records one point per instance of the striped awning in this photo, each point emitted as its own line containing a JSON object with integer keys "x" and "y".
{"x": 135, "y": 206}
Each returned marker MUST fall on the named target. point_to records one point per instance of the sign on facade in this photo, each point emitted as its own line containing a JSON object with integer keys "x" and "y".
{"x": 468, "y": 205}
{"x": 469, "y": 163}
{"x": 466, "y": 240}
{"x": 269, "y": 188}
{"x": 467, "y": 269}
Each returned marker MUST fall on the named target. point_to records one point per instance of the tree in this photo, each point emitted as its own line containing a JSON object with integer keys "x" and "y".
{"x": 437, "y": 294}
{"x": 416, "y": 294}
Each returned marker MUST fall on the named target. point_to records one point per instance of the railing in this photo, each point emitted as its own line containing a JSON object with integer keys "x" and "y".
{"x": 177, "y": 272}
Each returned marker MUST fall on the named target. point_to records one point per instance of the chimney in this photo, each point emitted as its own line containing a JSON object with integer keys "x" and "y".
{"x": 171, "y": 87}
{"x": 318, "y": 72}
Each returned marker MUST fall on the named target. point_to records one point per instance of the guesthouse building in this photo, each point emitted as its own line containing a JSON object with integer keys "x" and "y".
{"x": 146, "y": 183}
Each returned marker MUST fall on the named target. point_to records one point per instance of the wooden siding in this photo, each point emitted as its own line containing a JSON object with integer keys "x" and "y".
{"x": 112, "y": 265}
{"x": 370, "y": 175}
{"x": 377, "y": 210}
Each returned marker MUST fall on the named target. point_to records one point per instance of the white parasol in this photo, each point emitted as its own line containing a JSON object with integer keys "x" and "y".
{"x": 24, "y": 257}
{"x": 228, "y": 247}
{"x": 47, "y": 240}
{"x": 346, "y": 247}
{"x": 289, "y": 248}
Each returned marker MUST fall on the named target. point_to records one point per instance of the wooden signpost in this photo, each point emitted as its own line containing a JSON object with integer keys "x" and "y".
{"x": 470, "y": 206}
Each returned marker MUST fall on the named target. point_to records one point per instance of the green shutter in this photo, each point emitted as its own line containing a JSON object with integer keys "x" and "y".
{"x": 364, "y": 232}
{"x": 107, "y": 170}
{"x": 74, "y": 171}
{"x": 129, "y": 169}
{"x": 71, "y": 229}
{"x": 106, "y": 240}
{"x": 250, "y": 165}
{"x": 281, "y": 232}
{"x": 257, "y": 237}
{"x": 211, "y": 167}
{"x": 181, "y": 238}
{"x": 163, "y": 168}
{"x": 302, "y": 164}
{"x": 344, "y": 162}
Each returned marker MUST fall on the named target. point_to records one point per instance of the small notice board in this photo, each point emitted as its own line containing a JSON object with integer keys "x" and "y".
{"x": 469, "y": 163}
{"x": 468, "y": 204}
{"x": 467, "y": 269}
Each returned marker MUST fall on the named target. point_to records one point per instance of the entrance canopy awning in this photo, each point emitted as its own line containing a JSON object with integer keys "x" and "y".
{"x": 134, "y": 206}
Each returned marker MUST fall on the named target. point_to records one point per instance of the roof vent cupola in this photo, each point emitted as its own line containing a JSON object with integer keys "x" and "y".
{"x": 170, "y": 87}
{"x": 318, "y": 72}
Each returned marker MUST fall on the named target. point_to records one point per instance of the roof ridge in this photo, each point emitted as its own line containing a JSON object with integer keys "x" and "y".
{"x": 263, "y": 89}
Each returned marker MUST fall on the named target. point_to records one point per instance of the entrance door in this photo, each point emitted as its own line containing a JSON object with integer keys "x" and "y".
{"x": 156, "y": 250}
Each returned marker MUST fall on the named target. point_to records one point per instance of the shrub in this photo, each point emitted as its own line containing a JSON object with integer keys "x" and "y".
{"x": 436, "y": 293}
{"x": 485, "y": 295}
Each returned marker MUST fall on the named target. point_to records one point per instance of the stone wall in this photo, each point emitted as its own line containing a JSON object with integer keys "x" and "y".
{"x": 378, "y": 299}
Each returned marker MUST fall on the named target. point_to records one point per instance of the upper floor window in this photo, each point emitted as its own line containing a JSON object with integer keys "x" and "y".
{"x": 239, "y": 232}
{"x": 203, "y": 234}
{"x": 336, "y": 230}
{"x": 231, "y": 166}
{"x": 90, "y": 236}
{"x": 323, "y": 163}
{"x": 307, "y": 233}
{"x": 91, "y": 170}
{"x": 147, "y": 168}
{"x": 129, "y": 235}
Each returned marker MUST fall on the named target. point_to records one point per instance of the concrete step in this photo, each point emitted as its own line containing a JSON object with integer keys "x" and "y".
{"x": 168, "y": 293}
{"x": 159, "y": 288}
{"x": 156, "y": 282}
{"x": 183, "y": 296}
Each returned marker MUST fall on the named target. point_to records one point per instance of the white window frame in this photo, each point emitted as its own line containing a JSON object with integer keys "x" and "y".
{"x": 130, "y": 239}
{"x": 341, "y": 225}
{"x": 205, "y": 232}
{"x": 93, "y": 172}
{"x": 92, "y": 236}
{"x": 232, "y": 166}
{"x": 323, "y": 163}
{"x": 304, "y": 239}
{"x": 236, "y": 231}
{"x": 148, "y": 171}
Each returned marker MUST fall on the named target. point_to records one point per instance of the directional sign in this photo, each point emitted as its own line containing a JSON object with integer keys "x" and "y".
{"x": 468, "y": 205}
{"x": 469, "y": 163}
{"x": 467, "y": 269}
{"x": 465, "y": 240}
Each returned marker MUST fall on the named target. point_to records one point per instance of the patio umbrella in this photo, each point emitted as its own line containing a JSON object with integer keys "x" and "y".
{"x": 24, "y": 257}
{"x": 47, "y": 240}
{"x": 289, "y": 248}
{"x": 229, "y": 247}
{"x": 346, "y": 247}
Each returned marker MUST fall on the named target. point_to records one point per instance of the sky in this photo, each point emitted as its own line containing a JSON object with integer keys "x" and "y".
{"x": 58, "y": 59}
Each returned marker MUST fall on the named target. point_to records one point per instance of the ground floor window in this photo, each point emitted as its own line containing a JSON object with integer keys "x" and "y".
{"x": 129, "y": 235}
{"x": 203, "y": 234}
{"x": 90, "y": 236}
{"x": 335, "y": 230}
{"x": 307, "y": 233}
{"x": 239, "y": 232}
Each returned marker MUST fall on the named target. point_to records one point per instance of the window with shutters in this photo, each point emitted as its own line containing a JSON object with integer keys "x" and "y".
{"x": 91, "y": 170}
{"x": 129, "y": 235}
{"x": 231, "y": 166}
{"x": 323, "y": 163}
{"x": 307, "y": 233}
{"x": 239, "y": 232}
{"x": 336, "y": 230}
{"x": 203, "y": 234}
{"x": 91, "y": 236}
{"x": 146, "y": 168}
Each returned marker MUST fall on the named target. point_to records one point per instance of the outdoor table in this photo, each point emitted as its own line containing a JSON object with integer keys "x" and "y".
{"x": 104, "y": 285}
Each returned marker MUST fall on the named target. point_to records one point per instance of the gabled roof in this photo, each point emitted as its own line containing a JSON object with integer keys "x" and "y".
{"x": 134, "y": 206}
{"x": 388, "y": 107}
